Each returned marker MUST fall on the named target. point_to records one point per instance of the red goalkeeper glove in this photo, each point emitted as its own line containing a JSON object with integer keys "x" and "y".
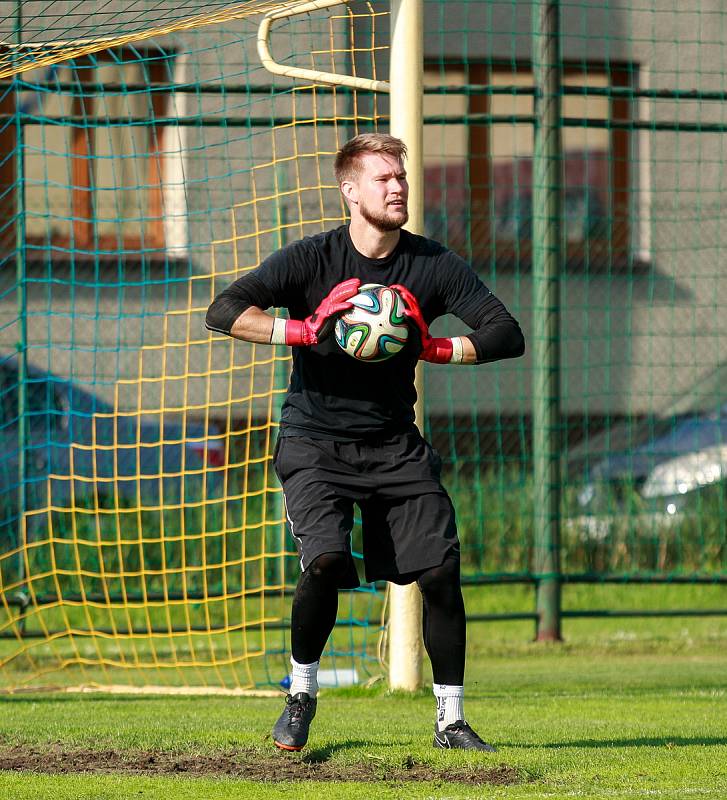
{"x": 434, "y": 350}
{"x": 318, "y": 325}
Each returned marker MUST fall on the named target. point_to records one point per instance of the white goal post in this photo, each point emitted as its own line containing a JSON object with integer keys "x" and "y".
{"x": 406, "y": 119}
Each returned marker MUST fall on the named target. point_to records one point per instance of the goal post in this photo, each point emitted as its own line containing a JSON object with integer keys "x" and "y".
{"x": 406, "y": 122}
{"x": 151, "y": 550}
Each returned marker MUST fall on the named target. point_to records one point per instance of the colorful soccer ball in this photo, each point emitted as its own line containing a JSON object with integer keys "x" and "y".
{"x": 375, "y": 328}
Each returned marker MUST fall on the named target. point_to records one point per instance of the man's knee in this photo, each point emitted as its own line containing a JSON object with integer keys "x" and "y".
{"x": 442, "y": 580}
{"x": 328, "y": 567}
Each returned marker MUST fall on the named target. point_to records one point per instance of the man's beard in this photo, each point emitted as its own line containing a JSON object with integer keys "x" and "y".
{"x": 382, "y": 221}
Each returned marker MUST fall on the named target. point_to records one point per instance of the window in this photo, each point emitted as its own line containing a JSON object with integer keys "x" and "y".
{"x": 479, "y": 178}
{"x": 90, "y": 187}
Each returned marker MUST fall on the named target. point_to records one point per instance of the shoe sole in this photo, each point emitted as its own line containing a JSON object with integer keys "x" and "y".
{"x": 439, "y": 746}
{"x": 287, "y": 746}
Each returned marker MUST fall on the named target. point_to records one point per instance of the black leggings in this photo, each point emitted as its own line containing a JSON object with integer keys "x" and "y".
{"x": 315, "y": 606}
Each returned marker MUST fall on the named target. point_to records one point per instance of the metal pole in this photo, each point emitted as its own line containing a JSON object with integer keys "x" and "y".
{"x": 547, "y": 261}
{"x": 22, "y": 344}
{"x": 406, "y": 108}
{"x": 281, "y": 373}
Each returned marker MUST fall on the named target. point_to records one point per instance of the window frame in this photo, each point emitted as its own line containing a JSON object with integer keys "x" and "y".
{"x": 614, "y": 250}
{"x": 82, "y": 239}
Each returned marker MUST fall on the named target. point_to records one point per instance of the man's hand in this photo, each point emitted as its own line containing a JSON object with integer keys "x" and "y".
{"x": 318, "y": 325}
{"x": 434, "y": 350}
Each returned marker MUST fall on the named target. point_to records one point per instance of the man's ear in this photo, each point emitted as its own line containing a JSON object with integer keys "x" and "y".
{"x": 349, "y": 191}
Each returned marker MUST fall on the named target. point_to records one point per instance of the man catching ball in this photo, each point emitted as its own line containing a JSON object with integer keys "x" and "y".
{"x": 347, "y": 433}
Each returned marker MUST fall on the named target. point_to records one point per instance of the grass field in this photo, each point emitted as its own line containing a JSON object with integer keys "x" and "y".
{"x": 624, "y": 708}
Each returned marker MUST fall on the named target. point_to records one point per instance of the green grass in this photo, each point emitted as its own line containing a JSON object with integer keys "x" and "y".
{"x": 236, "y": 542}
{"x": 621, "y": 534}
{"x": 624, "y": 708}
{"x": 182, "y": 659}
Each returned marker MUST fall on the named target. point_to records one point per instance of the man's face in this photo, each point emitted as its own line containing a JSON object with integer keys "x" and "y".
{"x": 381, "y": 191}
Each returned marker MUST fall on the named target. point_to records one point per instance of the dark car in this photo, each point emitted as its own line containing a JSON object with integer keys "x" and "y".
{"x": 80, "y": 450}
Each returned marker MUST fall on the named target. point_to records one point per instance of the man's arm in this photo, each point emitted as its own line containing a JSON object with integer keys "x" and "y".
{"x": 253, "y": 325}
{"x": 228, "y": 312}
{"x": 495, "y": 332}
{"x": 469, "y": 354}
{"x": 237, "y": 311}
{"x": 436, "y": 350}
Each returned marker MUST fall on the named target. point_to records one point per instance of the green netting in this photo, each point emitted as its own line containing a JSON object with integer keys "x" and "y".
{"x": 141, "y": 528}
{"x": 642, "y": 381}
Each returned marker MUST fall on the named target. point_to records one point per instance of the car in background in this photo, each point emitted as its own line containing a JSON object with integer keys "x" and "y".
{"x": 80, "y": 450}
{"x": 659, "y": 465}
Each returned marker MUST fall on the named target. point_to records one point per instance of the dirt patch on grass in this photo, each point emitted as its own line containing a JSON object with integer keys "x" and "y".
{"x": 249, "y": 764}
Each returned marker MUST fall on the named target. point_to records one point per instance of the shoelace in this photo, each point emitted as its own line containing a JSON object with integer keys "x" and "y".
{"x": 295, "y": 710}
{"x": 463, "y": 727}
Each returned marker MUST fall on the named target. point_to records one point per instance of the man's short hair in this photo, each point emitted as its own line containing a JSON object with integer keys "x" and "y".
{"x": 347, "y": 165}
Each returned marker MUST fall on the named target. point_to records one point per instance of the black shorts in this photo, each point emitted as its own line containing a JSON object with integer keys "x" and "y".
{"x": 408, "y": 520}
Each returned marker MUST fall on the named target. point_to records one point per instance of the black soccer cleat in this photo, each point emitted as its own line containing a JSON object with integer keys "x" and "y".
{"x": 291, "y": 729}
{"x": 459, "y": 736}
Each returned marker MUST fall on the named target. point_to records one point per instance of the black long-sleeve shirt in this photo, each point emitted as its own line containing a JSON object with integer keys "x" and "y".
{"x": 331, "y": 394}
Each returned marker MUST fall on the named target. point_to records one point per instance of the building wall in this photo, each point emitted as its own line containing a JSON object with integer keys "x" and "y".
{"x": 632, "y": 340}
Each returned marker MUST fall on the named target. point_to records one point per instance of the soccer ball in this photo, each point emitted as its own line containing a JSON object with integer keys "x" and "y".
{"x": 375, "y": 328}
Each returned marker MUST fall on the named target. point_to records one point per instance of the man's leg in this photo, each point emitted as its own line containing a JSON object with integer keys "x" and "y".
{"x": 445, "y": 627}
{"x": 319, "y": 487}
{"x": 313, "y": 615}
{"x": 410, "y": 533}
{"x": 445, "y": 637}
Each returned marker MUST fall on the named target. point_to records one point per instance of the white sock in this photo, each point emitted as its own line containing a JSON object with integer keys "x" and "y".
{"x": 304, "y": 678}
{"x": 450, "y": 702}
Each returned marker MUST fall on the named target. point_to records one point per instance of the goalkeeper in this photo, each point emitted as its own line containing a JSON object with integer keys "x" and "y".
{"x": 347, "y": 433}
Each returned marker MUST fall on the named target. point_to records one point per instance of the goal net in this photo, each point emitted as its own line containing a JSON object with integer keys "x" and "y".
{"x": 149, "y": 160}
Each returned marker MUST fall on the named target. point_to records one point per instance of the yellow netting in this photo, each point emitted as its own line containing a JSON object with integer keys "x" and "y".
{"x": 154, "y": 552}
{"x": 37, "y": 50}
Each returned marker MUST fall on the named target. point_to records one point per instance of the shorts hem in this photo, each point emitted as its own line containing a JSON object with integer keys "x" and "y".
{"x": 348, "y": 581}
{"x": 406, "y": 577}
{"x": 307, "y": 559}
